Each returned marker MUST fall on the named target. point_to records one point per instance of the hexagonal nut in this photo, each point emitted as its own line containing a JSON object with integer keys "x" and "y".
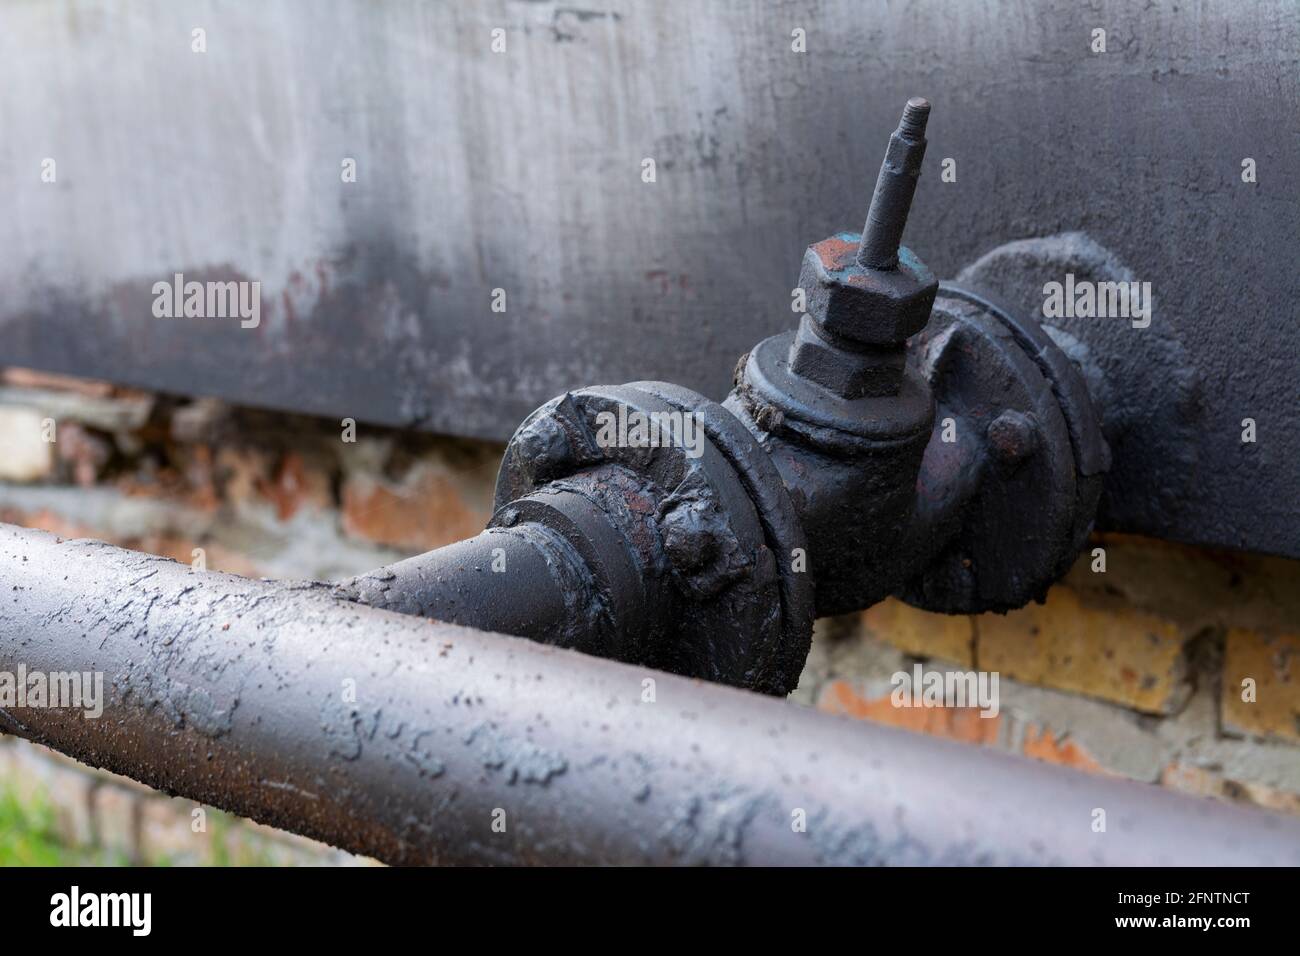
{"x": 870, "y": 306}
{"x": 847, "y": 374}
{"x": 1012, "y": 437}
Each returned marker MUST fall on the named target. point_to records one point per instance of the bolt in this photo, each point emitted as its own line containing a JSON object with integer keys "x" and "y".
{"x": 689, "y": 539}
{"x": 895, "y": 187}
{"x": 867, "y": 294}
{"x": 698, "y": 540}
{"x": 543, "y": 447}
{"x": 1013, "y": 437}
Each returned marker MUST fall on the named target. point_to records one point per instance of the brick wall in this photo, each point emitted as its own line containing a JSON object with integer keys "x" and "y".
{"x": 1172, "y": 665}
{"x": 254, "y": 493}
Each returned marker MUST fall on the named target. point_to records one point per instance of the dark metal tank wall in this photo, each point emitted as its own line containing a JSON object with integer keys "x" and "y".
{"x": 377, "y": 295}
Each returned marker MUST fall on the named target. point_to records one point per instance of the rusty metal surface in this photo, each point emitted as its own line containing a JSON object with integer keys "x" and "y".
{"x": 706, "y": 520}
{"x": 855, "y": 409}
{"x": 229, "y": 691}
{"x": 654, "y": 527}
{"x": 1034, "y": 472}
{"x": 522, "y": 171}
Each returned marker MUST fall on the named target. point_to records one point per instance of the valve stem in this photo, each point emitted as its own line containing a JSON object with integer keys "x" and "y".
{"x": 895, "y": 187}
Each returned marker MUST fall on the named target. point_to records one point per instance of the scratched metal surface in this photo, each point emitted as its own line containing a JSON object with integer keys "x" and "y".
{"x": 522, "y": 171}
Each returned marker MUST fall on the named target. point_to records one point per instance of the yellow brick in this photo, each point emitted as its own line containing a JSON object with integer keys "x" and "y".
{"x": 1195, "y": 587}
{"x": 1272, "y": 661}
{"x": 1098, "y": 647}
{"x": 921, "y": 633}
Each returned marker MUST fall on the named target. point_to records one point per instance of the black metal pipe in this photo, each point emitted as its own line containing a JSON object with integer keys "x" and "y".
{"x": 419, "y": 742}
{"x": 522, "y": 580}
{"x": 555, "y": 567}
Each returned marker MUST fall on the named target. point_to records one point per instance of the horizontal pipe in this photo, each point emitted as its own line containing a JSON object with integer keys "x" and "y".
{"x": 524, "y": 581}
{"x": 420, "y": 742}
{"x": 560, "y": 572}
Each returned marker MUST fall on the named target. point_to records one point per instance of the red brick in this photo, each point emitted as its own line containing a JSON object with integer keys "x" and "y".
{"x": 428, "y": 509}
{"x": 1042, "y": 744}
{"x": 956, "y": 723}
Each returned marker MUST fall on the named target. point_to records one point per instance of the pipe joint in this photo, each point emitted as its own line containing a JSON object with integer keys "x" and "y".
{"x": 909, "y": 438}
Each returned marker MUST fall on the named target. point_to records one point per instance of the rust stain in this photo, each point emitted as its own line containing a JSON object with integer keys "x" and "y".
{"x": 836, "y": 253}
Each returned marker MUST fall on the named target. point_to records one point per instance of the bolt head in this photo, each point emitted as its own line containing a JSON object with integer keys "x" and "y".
{"x": 1012, "y": 437}
{"x": 871, "y": 306}
{"x": 542, "y": 446}
{"x": 699, "y": 542}
{"x": 689, "y": 540}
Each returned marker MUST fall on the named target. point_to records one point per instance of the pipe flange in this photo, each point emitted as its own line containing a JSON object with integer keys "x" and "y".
{"x": 615, "y": 624}
{"x": 1041, "y": 457}
{"x": 1137, "y": 370}
{"x": 782, "y": 529}
{"x": 706, "y": 539}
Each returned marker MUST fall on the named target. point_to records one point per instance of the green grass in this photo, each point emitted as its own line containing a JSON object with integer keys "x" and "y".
{"x": 27, "y": 833}
{"x": 29, "y": 836}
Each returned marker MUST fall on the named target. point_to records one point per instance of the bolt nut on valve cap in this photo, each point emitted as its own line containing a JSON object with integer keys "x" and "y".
{"x": 868, "y": 288}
